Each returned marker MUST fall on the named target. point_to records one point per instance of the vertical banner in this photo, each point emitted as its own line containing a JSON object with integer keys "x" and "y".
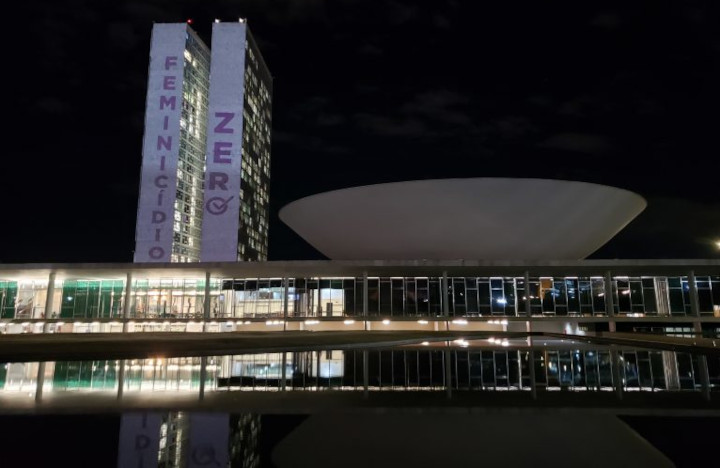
{"x": 209, "y": 440}
{"x": 161, "y": 144}
{"x": 221, "y": 215}
{"x": 139, "y": 440}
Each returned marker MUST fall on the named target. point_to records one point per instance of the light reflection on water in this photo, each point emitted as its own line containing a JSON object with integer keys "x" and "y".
{"x": 461, "y": 367}
{"x": 212, "y": 435}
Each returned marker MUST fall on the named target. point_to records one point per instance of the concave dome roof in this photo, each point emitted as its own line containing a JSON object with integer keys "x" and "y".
{"x": 474, "y": 218}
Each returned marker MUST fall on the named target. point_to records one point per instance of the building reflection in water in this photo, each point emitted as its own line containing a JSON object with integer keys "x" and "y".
{"x": 458, "y": 365}
{"x": 179, "y": 439}
{"x": 176, "y": 438}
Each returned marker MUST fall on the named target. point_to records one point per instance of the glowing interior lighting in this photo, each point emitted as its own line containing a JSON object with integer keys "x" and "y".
{"x": 460, "y": 322}
{"x": 386, "y": 322}
{"x": 423, "y": 322}
{"x": 349, "y": 322}
{"x": 461, "y": 342}
{"x": 425, "y": 343}
{"x": 312, "y": 322}
{"x": 502, "y": 300}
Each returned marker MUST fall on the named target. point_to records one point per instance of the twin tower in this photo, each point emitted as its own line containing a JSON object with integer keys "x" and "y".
{"x": 204, "y": 189}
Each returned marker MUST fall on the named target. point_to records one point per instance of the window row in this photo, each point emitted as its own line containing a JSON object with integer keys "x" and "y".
{"x": 382, "y": 296}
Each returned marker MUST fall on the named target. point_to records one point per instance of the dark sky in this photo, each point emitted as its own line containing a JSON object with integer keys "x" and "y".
{"x": 618, "y": 93}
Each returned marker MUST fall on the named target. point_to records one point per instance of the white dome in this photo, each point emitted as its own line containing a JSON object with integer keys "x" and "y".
{"x": 473, "y": 219}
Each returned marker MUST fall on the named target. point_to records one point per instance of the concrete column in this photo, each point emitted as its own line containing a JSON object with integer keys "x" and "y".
{"x": 694, "y": 300}
{"x": 365, "y": 299}
{"x": 40, "y": 381}
{"x": 695, "y": 304}
{"x": 203, "y": 376}
{"x": 609, "y": 301}
{"x": 670, "y": 368}
{"x": 126, "y": 302}
{"x": 704, "y": 376}
{"x": 617, "y": 375}
{"x": 121, "y": 379}
{"x": 445, "y": 300}
{"x": 49, "y": 300}
{"x": 365, "y": 374}
{"x": 528, "y": 309}
{"x": 50, "y": 295}
{"x": 206, "y": 302}
{"x": 661, "y": 296}
{"x": 286, "y": 288}
{"x": 448, "y": 375}
{"x": 533, "y": 380}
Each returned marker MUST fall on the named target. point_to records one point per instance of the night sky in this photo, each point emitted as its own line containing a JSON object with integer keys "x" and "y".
{"x": 619, "y": 93}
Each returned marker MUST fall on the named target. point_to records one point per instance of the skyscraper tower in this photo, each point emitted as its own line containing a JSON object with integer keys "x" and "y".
{"x": 237, "y": 180}
{"x": 206, "y": 152}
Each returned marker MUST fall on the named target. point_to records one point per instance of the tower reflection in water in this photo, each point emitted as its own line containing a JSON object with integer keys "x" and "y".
{"x": 178, "y": 438}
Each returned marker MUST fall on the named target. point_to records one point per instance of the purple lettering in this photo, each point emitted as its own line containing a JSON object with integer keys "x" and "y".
{"x": 225, "y": 118}
{"x": 166, "y": 122}
{"x": 165, "y": 142}
{"x": 162, "y": 163}
{"x": 157, "y": 234}
{"x": 169, "y": 82}
{"x": 160, "y": 197}
{"x": 160, "y": 178}
{"x": 156, "y": 252}
{"x": 170, "y": 61}
{"x": 222, "y": 148}
{"x": 217, "y": 179}
{"x": 158, "y": 217}
{"x": 168, "y": 101}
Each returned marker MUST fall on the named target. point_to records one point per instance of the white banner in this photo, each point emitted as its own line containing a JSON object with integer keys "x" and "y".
{"x": 161, "y": 144}
{"x": 224, "y": 143}
{"x": 139, "y": 440}
{"x": 209, "y": 440}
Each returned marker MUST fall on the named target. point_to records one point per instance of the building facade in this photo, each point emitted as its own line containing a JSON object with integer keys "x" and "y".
{"x": 558, "y": 302}
{"x": 170, "y": 202}
{"x": 235, "y": 296}
{"x": 206, "y": 151}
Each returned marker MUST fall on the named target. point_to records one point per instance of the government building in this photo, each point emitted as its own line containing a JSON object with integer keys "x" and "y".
{"x": 204, "y": 188}
{"x": 452, "y": 287}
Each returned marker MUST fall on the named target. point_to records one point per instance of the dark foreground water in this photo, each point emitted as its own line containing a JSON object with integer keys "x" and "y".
{"x": 489, "y": 430}
{"x": 95, "y": 440}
